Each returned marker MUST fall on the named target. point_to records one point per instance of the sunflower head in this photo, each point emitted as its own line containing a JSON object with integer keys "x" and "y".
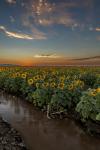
{"x": 24, "y": 75}
{"x": 30, "y": 81}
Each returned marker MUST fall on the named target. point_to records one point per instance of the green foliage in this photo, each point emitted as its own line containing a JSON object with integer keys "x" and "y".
{"x": 3, "y": 77}
{"x": 97, "y": 82}
{"x": 13, "y": 85}
{"x": 89, "y": 106}
{"x": 27, "y": 90}
{"x": 98, "y": 117}
{"x": 76, "y": 94}
{"x": 41, "y": 97}
{"x": 89, "y": 79}
{"x": 60, "y": 100}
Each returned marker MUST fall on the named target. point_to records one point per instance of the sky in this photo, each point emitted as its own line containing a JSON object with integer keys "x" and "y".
{"x": 58, "y": 32}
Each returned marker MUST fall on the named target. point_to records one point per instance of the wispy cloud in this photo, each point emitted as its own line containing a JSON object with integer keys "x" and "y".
{"x": 11, "y": 1}
{"x": 47, "y": 56}
{"x": 87, "y": 58}
{"x": 97, "y": 29}
{"x": 37, "y": 35}
{"x": 15, "y": 34}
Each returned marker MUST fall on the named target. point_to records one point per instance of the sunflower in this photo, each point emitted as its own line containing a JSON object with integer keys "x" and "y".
{"x": 93, "y": 93}
{"x": 23, "y": 75}
{"x": 53, "y": 84}
{"x": 30, "y": 81}
{"x": 62, "y": 78}
{"x": 35, "y": 78}
{"x": 78, "y": 83}
{"x": 71, "y": 87}
{"x": 17, "y": 74}
{"x": 13, "y": 76}
{"x": 37, "y": 85}
{"x": 61, "y": 85}
{"x": 46, "y": 84}
{"x": 98, "y": 90}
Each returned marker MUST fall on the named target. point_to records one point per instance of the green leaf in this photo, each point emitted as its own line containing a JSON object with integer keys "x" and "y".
{"x": 98, "y": 117}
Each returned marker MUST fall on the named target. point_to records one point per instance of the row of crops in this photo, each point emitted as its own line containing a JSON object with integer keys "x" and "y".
{"x": 56, "y": 89}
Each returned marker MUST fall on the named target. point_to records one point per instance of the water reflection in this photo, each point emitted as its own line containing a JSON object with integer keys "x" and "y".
{"x": 42, "y": 134}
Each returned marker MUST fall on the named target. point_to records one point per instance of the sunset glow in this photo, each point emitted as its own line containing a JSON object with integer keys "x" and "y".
{"x": 49, "y": 32}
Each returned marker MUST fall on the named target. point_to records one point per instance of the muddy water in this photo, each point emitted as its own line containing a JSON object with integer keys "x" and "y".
{"x": 39, "y": 133}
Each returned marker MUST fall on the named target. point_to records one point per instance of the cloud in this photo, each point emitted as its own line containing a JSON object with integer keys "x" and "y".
{"x": 47, "y": 56}
{"x": 11, "y": 1}
{"x": 88, "y": 58}
{"x": 48, "y": 13}
{"x": 15, "y": 34}
{"x": 95, "y": 60}
{"x": 97, "y": 29}
{"x": 37, "y": 35}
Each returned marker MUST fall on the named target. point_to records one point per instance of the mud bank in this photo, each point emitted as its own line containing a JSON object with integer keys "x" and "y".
{"x": 10, "y": 139}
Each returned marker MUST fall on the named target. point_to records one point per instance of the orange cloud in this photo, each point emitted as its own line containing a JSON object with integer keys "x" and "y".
{"x": 97, "y": 29}
{"x": 53, "y": 56}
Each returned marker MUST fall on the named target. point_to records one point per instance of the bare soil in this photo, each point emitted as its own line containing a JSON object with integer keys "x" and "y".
{"x": 10, "y": 139}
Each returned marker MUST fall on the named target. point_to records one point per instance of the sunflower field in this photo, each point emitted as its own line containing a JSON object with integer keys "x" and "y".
{"x": 56, "y": 89}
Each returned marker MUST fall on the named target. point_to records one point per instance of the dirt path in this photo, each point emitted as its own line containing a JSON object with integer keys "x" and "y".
{"x": 10, "y": 139}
